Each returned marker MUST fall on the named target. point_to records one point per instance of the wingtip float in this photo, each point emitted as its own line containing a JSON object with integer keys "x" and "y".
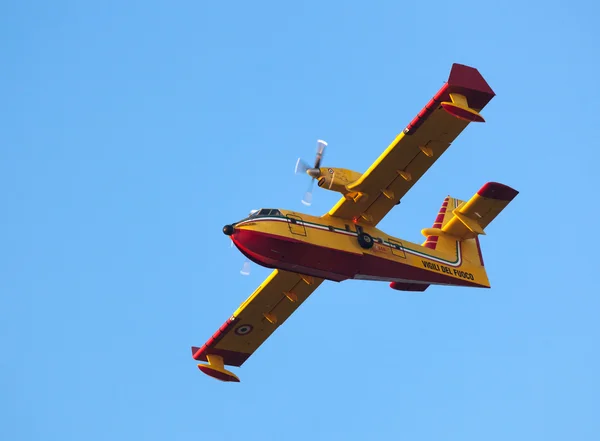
{"x": 345, "y": 243}
{"x": 216, "y": 369}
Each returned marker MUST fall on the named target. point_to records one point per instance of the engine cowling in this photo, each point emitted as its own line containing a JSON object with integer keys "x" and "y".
{"x": 337, "y": 179}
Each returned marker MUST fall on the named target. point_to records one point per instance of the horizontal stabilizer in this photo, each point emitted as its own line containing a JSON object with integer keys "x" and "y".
{"x": 471, "y": 218}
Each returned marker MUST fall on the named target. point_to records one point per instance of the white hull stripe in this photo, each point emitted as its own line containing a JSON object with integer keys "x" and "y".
{"x": 457, "y": 262}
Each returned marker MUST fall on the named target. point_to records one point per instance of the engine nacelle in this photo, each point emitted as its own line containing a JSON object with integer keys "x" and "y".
{"x": 337, "y": 179}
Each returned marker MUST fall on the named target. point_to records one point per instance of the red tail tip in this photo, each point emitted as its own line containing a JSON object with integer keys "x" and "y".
{"x": 495, "y": 190}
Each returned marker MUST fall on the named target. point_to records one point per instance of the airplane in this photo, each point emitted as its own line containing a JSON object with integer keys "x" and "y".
{"x": 345, "y": 243}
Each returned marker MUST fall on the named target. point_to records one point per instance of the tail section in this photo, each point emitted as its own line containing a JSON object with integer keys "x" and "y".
{"x": 432, "y": 240}
{"x": 446, "y": 240}
{"x": 458, "y": 224}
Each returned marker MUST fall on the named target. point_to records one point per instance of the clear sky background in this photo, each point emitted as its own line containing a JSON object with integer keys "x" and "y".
{"x": 131, "y": 132}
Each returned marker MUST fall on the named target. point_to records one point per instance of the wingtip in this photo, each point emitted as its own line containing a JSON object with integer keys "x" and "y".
{"x": 468, "y": 77}
{"x": 469, "y": 82}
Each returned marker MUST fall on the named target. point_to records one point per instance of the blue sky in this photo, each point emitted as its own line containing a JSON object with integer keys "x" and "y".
{"x": 131, "y": 132}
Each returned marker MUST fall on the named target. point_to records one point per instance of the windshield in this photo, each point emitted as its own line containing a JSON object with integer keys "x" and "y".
{"x": 267, "y": 212}
{"x": 263, "y": 212}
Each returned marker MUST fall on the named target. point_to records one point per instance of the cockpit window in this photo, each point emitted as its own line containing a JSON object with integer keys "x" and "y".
{"x": 265, "y": 212}
{"x": 269, "y": 212}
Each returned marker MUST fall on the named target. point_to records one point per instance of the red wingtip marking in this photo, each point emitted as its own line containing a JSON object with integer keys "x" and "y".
{"x": 495, "y": 190}
{"x": 230, "y": 358}
{"x": 469, "y": 78}
{"x": 464, "y": 80}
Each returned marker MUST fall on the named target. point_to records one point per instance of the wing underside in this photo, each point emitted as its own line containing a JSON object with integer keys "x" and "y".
{"x": 257, "y": 318}
{"x": 416, "y": 149}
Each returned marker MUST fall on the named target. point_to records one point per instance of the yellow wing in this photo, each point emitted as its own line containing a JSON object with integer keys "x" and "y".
{"x": 415, "y": 150}
{"x": 257, "y": 318}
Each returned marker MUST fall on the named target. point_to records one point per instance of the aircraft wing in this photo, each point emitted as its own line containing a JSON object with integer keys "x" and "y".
{"x": 254, "y": 321}
{"x": 414, "y": 151}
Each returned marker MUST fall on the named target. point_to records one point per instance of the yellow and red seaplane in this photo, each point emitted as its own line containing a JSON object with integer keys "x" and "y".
{"x": 345, "y": 243}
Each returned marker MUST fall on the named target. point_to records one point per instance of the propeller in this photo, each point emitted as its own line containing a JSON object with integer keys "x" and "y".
{"x": 245, "y": 271}
{"x": 313, "y": 172}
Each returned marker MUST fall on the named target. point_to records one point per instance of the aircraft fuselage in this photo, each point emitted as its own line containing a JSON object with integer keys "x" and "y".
{"x": 331, "y": 249}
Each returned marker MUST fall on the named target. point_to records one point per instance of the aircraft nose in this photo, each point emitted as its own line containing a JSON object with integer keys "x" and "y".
{"x": 228, "y": 230}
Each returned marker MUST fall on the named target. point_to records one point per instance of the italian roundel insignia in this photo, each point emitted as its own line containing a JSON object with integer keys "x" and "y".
{"x": 243, "y": 329}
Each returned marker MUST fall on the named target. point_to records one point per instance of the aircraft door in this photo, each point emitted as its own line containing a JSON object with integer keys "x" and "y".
{"x": 397, "y": 248}
{"x": 296, "y": 225}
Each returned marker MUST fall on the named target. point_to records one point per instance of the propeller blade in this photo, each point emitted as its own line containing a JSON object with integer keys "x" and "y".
{"x": 301, "y": 166}
{"x": 320, "y": 151}
{"x": 313, "y": 172}
{"x": 307, "y": 200}
{"x": 245, "y": 269}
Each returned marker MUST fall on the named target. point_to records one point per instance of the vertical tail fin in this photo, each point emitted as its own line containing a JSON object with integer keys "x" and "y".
{"x": 458, "y": 224}
{"x": 431, "y": 241}
{"x": 437, "y": 240}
